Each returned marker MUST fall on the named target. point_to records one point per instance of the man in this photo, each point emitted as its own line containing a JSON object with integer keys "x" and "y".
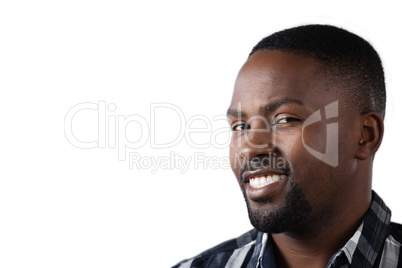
{"x": 307, "y": 117}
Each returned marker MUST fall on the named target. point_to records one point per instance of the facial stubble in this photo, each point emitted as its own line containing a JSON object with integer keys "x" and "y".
{"x": 287, "y": 216}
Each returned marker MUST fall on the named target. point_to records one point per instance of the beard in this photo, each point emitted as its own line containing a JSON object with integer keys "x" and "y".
{"x": 286, "y": 217}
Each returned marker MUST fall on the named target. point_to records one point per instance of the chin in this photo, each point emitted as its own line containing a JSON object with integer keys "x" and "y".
{"x": 286, "y": 216}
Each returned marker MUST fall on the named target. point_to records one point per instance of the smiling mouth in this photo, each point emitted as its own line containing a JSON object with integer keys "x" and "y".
{"x": 262, "y": 181}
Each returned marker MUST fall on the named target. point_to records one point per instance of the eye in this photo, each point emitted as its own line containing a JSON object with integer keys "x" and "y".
{"x": 240, "y": 127}
{"x": 285, "y": 120}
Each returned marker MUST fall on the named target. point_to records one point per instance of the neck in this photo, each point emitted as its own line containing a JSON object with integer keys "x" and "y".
{"x": 314, "y": 248}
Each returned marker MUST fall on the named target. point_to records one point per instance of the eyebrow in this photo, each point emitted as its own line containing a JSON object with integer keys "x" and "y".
{"x": 270, "y": 107}
{"x": 235, "y": 113}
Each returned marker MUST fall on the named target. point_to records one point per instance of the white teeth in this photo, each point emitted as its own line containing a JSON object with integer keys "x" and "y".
{"x": 259, "y": 182}
{"x": 269, "y": 179}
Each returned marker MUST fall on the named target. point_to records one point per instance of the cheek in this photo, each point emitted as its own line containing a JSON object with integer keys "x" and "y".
{"x": 290, "y": 145}
{"x": 305, "y": 167}
{"x": 315, "y": 136}
{"x": 313, "y": 175}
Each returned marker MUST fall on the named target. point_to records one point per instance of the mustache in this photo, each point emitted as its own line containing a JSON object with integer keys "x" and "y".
{"x": 267, "y": 161}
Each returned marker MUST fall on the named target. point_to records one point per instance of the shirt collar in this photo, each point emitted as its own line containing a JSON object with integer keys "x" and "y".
{"x": 363, "y": 247}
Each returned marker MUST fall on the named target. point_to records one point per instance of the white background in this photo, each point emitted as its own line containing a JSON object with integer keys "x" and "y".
{"x": 62, "y": 206}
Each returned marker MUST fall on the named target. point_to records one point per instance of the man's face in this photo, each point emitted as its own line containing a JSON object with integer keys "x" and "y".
{"x": 286, "y": 188}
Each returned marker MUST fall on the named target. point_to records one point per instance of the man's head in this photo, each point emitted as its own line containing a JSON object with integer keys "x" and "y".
{"x": 301, "y": 92}
{"x": 346, "y": 59}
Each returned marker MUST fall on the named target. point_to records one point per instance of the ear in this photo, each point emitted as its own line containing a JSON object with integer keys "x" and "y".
{"x": 372, "y": 131}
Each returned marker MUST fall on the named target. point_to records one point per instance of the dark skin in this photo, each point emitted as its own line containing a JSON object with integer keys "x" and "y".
{"x": 340, "y": 195}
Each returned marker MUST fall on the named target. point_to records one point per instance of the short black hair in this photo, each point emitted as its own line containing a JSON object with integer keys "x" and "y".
{"x": 349, "y": 58}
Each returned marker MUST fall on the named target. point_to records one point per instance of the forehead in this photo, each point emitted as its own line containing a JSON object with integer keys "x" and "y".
{"x": 270, "y": 74}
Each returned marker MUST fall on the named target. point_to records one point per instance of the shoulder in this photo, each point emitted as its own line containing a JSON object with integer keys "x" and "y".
{"x": 220, "y": 254}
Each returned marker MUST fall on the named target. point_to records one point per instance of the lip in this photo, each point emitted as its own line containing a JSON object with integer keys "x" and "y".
{"x": 267, "y": 192}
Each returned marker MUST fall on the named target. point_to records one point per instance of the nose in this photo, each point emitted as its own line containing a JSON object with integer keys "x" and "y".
{"x": 257, "y": 141}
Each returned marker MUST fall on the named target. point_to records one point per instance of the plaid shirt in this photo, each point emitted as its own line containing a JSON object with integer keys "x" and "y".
{"x": 376, "y": 243}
